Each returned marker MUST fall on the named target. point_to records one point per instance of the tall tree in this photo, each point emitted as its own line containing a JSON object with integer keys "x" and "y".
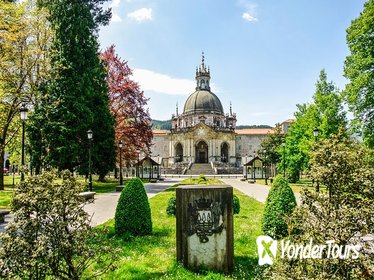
{"x": 75, "y": 98}
{"x": 326, "y": 114}
{"x": 359, "y": 69}
{"x": 128, "y": 105}
{"x": 345, "y": 216}
{"x": 24, "y": 41}
{"x": 272, "y": 145}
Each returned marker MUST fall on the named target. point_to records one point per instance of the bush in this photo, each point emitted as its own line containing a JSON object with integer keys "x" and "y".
{"x": 133, "y": 213}
{"x": 202, "y": 179}
{"x": 49, "y": 236}
{"x": 236, "y": 204}
{"x": 280, "y": 202}
{"x": 172, "y": 206}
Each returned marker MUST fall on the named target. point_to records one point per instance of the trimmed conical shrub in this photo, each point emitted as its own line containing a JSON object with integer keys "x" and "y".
{"x": 133, "y": 213}
{"x": 280, "y": 202}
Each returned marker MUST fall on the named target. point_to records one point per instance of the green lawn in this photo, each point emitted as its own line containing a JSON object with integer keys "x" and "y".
{"x": 297, "y": 187}
{"x": 99, "y": 187}
{"x": 154, "y": 257}
{"x": 5, "y": 197}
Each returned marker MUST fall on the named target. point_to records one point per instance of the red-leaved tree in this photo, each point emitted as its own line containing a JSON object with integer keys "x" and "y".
{"x": 128, "y": 105}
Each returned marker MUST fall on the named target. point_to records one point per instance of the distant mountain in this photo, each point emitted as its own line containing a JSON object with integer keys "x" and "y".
{"x": 166, "y": 125}
{"x": 253, "y": 126}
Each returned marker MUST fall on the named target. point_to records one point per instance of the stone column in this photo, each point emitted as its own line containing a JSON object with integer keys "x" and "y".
{"x": 205, "y": 237}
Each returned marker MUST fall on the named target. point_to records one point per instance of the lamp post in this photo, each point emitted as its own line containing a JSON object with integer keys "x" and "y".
{"x": 89, "y": 136}
{"x": 244, "y": 166}
{"x": 253, "y": 167}
{"x": 137, "y": 169}
{"x": 266, "y": 177}
{"x": 120, "y": 145}
{"x": 159, "y": 166}
{"x": 315, "y": 134}
{"x": 284, "y": 159}
{"x": 23, "y": 110}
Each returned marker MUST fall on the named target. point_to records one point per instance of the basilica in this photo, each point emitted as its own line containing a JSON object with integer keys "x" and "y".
{"x": 204, "y": 133}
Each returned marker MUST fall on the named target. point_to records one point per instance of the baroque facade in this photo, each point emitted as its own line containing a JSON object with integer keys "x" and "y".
{"x": 203, "y": 133}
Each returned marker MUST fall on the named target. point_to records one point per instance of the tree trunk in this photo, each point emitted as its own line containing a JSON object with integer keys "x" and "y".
{"x": 2, "y": 156}
{"x": 101, "y": 178}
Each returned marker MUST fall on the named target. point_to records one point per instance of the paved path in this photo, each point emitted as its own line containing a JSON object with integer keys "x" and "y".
{"x": 104, "y": 206}
{"x": 257, "y": 191}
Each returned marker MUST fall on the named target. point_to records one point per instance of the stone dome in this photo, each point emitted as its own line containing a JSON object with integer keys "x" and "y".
{"x": 203, "y": 101}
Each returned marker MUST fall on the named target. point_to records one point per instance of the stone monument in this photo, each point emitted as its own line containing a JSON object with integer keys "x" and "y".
{"x": 205, "y": 227}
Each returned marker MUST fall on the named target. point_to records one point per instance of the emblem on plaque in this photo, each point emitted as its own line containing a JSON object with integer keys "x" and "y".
{"x": 205, "y": 218}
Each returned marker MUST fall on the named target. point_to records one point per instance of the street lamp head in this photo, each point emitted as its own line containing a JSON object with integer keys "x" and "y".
{"x": 23, "y": 110}
{"x": 315, "y": 132}
{"x": 89, "y": 134}
{"x": 120, "y": 144}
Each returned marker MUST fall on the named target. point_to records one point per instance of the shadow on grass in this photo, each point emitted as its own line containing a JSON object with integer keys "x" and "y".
{"x": 246, "y": 267}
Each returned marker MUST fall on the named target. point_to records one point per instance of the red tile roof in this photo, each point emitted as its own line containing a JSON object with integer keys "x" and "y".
{"x": 160, "y": 132}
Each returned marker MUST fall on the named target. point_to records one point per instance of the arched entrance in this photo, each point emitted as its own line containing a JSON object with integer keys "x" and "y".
{"x": 201, "y": 152}
{"x": 224, "y": 152}
{"x": 179, "y": 153}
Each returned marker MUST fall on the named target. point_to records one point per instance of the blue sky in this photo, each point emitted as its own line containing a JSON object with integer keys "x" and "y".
{"x": 264, "y": 56}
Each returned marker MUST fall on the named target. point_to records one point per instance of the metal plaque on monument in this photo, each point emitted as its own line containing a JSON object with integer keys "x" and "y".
{"x": 205, "y": 237}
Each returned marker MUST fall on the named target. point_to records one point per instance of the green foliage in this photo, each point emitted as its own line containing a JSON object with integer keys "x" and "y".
{"x": 198, "y": 181}
{"x": 133, "y": 214}
{"x": 202, "y": 179}
{"x": 344, "y": 215}
{"x": 164, "y": 125}
{"x": 319, "y": 220}
{"x": 253, "y": 126}
{"x": 345, "y": 167}
{"x": 279, "y": 203}
{"x": 272, "y": 144}
{"x": 171, "y": 209}
{"x": 75, "y": 98}
{"x": 358, "y": 68}
{"x": 326, "y": 113}
{"x": 25, "y": 37}
{"x": 236, "y": 204}
{"x": 48, "y": 236}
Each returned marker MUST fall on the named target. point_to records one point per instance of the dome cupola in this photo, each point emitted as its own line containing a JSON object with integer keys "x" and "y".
{"x": 203, "y": 100}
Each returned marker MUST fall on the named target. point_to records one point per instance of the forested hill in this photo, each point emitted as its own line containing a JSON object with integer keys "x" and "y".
{"x": 161, "y": 124}
{"x": 253, "y": 126}
{"x": 156, "y": 124}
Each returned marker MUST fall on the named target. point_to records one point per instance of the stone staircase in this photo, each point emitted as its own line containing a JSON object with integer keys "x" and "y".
{"x": 200, "y": 168}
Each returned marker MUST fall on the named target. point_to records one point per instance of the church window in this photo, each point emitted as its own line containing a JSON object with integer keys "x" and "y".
{"x": 240, "y": 147}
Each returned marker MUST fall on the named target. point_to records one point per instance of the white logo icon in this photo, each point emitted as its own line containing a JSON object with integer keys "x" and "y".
{"x": 267, "y": 249}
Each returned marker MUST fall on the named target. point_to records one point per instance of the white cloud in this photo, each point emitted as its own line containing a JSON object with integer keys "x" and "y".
{"x": 116, "y": 18}
{"x": 249, "y": 10}
{"x": 152, "y": 81}
{"x": 248, "y": 17}
{"x": 115, "y": 3}
{"x": 141, "y": 14}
